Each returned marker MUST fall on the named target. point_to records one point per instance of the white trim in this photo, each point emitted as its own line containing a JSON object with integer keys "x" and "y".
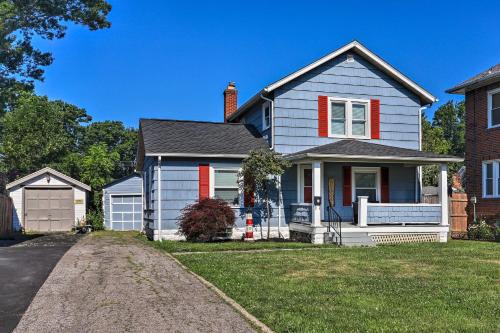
{"x": 265, "y": 105}
{"x": 158, "y": 216}
{"x": 384, "y": 158}
{"x": 490, "y": 107}
{"x": 496, "y": 179}
{"x": 212, "y": 185}
{"x": 300, "y": 196}
{"x": 52, "y": 172}
{"x": 403, "y": 204}
{"x": 348, "y": 102}
{"x": 197, "y": 155}
{"x": 365, "y": 52}
{"x": 355, "y": 170}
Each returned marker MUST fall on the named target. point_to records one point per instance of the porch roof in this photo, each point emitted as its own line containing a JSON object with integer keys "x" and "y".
{"x": 367, "y": 151}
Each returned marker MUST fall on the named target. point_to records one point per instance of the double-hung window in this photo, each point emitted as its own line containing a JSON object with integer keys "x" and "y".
{"x": 366, "y": 183}
{"x": 226, "y": 186}
{"x": 349, "y": 118}
{"x": 266, "y": 116}
{"x": 494, "y": 108}
{"x": 491, "y": 179}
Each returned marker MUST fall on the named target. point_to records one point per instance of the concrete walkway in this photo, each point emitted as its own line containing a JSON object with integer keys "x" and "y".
{"x": 112, "y": 284}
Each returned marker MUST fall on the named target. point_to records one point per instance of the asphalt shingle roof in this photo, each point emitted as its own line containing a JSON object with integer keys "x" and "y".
{"x": 362, "y": 148}
{"x": 489, "y": 74}
{"x": 194, "y": 137}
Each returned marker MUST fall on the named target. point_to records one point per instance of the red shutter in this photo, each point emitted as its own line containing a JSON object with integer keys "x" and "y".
{"x": 248, "y": 198}
{"x": 375, "y": 118}
{"x": 384, "y": 175}
{"x": 347, "y": 193}
{"x": 203, "y": 181}
{"x": 323, "y": 116}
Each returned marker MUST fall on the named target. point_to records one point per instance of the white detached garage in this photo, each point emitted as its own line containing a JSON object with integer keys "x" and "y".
{"x": 48, "y": 200}
{"x": 122, "y": 203}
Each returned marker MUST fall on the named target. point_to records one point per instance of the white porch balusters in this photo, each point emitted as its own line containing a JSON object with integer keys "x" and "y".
{"x": 363, "y": 211}
{"x": 316, "y": 179}
{"x": 443, "y": 193}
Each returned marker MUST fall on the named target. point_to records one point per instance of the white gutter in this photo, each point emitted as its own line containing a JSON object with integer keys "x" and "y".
{"x": 378, "y": 158}
{"x": 197, "y": 155}
{"x": 272, "y": 118}
{"x": 159, "y": 199}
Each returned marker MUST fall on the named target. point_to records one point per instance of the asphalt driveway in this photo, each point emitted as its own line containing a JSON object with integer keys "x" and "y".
{"x": 25, "y": 264}
{"x": 111, "y": 283}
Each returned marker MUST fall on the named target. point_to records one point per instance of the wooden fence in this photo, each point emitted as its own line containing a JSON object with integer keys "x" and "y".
{"x": 458, "y": 215}
{"x": 6, "y": 208}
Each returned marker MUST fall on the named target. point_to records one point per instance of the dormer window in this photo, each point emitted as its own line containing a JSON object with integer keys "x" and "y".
{"x": 266, "y": 116}
{"x": 494, "y": 108}
{"x": 349, "y": 118}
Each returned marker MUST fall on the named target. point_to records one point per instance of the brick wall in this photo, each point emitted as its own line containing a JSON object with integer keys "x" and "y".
{"x": 481, "y": 144}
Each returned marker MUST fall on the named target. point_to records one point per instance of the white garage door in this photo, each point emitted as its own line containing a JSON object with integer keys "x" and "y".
{"x": 126, "y": 212}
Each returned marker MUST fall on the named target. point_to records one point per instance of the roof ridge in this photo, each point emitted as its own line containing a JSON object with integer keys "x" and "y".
{"x": 191, "y": 121}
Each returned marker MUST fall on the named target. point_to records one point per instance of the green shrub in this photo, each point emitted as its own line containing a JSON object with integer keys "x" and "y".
{"x": 481, "y": 231}
{"x": 206, "y": 220}
{"x": 96, "y": 219}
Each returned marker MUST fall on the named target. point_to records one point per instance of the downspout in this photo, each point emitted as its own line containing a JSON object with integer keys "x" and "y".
{"x": 271, "y": 102}
{"x": 159, "y": 199}
{"x": 418, "y": 179}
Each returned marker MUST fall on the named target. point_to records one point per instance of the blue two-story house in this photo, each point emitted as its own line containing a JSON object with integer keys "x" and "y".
{"x": 349, "y": 123}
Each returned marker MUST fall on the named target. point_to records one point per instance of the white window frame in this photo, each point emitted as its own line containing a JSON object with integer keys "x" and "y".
{"x": 348, "y": 117}
{"x": 490, "y": 107}
{"x": 496, "y": 176}
{"x": 301, "y": 183}
{"x": 212, "y": 185}
{"x": 264, "y": 106}
{"x": 375, "y": 170}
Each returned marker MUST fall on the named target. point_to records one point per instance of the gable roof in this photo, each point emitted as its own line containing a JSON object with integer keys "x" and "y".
{"x": 355, "y": 149}
{"x": 486, "y": 77}
{"x": 51, "y": 171}
{"x": 183, "y": 138}
{"x": 119, "y": 180}
{"x": 425, "y": 96}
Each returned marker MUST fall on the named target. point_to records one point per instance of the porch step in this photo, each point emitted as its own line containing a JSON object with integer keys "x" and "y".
{"x": 349, "y": 239}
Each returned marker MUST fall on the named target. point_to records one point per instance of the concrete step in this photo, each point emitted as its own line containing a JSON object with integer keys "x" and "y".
{"x": 349, "y": 239}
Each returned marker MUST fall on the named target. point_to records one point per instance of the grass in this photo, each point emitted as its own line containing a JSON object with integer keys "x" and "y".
{"x": 430, "y": 287}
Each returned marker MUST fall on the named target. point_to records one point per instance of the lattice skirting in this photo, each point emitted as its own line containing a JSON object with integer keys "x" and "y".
{"x": 405, "y": 238}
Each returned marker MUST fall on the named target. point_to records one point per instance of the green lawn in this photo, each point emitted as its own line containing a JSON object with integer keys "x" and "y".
{"x": 429, "y": 287}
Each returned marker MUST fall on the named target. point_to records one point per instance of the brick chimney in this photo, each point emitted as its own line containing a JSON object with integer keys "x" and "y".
{"x": 230, "y": 100}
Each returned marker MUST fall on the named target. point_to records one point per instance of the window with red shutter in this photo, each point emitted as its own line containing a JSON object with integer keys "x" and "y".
{"x": 203, "y": 181}
{"x": 375, "y": 118}
{"x": 323, "y": 116}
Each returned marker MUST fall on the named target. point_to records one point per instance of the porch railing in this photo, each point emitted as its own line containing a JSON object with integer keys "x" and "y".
{"x": 301, "y": 213}
{"x": 335, "y": 224}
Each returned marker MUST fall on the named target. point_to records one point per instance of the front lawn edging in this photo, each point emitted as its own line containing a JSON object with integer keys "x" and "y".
{"x": 252, "y": 319}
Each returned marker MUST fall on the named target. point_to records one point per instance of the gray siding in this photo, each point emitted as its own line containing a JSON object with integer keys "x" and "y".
{"x": 296, "y": 106}
{"x": 127, "y": 186}
{"x": 254, "y": 117}
{"x": 404, "y": 214}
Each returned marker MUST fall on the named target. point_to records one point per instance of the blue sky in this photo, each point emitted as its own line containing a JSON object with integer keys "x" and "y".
{"x": 167, "y": 59}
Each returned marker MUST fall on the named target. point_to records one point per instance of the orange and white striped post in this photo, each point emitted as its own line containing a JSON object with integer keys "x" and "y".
{"x": 249, "y": 226}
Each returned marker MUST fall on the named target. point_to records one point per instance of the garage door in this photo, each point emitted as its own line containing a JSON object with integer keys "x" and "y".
{"x": 49, "y": 209}
{"x": 126, "y": 212}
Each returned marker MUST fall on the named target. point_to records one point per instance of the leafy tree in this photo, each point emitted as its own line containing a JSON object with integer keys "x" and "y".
{"x": 97, "y": 166}
{"x": 21, "y": 63}
{"x": 450, "y": 117}
{"x": 38, "y": 133}
{"x": 260, "y": 173}
{"x": 118, "y": 139}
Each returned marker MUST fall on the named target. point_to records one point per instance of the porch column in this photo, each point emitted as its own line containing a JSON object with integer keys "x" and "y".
{"x": 443, "y": 193}
{"x": 362, "y": 211}
{"x": 316, "y": 179}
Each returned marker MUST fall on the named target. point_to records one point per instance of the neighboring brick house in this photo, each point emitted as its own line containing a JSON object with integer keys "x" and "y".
{"x": 482, "y": 140}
